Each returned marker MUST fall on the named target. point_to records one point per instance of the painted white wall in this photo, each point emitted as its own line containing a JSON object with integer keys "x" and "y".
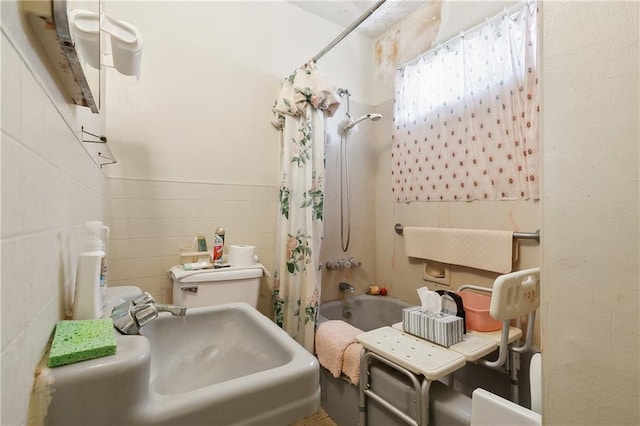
{"x": 50, "y": 187}
{"x": 210, "y": 74}
{"x": 459, "y": 15}
{"x": 590, "y": 280}
{"x": 151, "y": 219}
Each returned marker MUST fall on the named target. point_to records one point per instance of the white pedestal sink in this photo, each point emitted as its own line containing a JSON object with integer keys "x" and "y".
{"x": 222, "y": 365}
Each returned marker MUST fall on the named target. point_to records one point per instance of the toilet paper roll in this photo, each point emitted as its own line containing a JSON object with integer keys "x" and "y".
{"x": 241, "y": 255}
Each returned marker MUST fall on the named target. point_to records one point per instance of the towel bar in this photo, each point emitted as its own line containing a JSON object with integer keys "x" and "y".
{"x": 516, "y": 235}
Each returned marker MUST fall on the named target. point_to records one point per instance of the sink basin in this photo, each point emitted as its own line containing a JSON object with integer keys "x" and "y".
{"x": 221, "y": 365}
{"x": 228, "y": 343}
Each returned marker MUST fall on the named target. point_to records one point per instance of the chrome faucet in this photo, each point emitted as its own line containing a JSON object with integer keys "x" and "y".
{"x": 130, "y": 316}
{"x": 346, "y": 288}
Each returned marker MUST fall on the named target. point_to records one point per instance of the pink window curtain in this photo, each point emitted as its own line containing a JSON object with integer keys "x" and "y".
{"x": 466, "y": 117}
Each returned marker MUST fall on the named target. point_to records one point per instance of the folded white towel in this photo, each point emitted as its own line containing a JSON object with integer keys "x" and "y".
{"x": 480, "y": 249}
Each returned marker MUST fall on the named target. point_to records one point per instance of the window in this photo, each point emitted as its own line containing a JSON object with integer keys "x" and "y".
{"x": 466, "y": 117}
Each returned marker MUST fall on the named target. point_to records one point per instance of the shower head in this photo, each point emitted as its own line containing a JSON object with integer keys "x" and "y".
{"x": 373, "y": 117}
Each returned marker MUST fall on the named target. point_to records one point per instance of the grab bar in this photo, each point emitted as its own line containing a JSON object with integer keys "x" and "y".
{"x": 399, "y": 228}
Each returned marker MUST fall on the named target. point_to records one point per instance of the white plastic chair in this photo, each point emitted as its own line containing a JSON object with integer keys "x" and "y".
{"x": 513, "y": 295}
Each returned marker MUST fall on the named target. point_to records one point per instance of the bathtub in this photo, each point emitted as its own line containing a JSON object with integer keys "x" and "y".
{"x": 363, "y": 311}
{"x": 340, "y": 399}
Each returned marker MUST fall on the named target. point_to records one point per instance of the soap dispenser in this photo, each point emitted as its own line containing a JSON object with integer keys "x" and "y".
{"x": 91, "y": 277}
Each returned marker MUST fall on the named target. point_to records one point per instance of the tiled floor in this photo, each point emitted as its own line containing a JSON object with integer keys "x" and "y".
{"x": 319, "y": 418}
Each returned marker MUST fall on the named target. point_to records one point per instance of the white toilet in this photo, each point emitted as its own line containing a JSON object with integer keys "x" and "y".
{"x": 209, "y": 287}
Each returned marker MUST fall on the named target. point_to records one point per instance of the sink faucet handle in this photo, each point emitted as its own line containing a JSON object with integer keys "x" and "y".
{"x": 142, "y": 299}
{"x": 129, "y": 318}
{"x": 355, "y": 263}
{"x": 175, "y": 310}
{"x": 332, "y": 266}
{"x": 344, "y": 263}
{"x": 144, "y": 313}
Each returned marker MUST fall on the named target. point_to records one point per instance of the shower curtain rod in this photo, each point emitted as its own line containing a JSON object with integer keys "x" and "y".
{"x": 348, "y": 30}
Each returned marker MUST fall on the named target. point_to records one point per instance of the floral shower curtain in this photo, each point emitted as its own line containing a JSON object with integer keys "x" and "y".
{"x": 304, "y": 99}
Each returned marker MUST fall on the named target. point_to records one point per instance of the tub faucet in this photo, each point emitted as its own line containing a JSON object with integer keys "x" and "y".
{"x": 130, "y": 316}
{"x": 346, "y": 288}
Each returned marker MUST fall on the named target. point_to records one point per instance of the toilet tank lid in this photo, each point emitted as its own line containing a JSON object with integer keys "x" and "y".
{"x": 178, "y": 274}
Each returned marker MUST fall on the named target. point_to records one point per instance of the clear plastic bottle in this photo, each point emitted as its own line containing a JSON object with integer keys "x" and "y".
{"x": 91, "y": 277}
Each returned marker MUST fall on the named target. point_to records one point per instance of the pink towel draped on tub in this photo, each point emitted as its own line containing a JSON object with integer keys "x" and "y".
{"x": 351, "y": 362}
{"x": 337, "y": 349}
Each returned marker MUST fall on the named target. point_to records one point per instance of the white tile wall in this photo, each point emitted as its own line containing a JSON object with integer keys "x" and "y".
{"x": 150, "y": 219}
{"x": 50, "y": 186}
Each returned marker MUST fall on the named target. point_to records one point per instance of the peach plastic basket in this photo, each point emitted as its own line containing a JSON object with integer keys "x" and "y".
{"x": 476, "y": 308}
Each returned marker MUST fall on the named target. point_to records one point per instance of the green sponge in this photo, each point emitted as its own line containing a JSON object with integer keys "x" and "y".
{"x": 80, "y": 340}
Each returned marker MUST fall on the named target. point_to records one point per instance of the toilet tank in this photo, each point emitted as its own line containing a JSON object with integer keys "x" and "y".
{"x": 211, "y": 287}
